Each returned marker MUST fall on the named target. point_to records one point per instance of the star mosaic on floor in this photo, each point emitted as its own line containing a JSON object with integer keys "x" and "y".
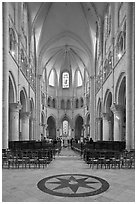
{"x": 73, "y": 185}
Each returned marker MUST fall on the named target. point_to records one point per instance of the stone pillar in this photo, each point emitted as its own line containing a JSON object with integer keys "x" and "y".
{"x": 58, "y": 132}
{"x": 118, "y": 122}
{"x": 5, "y": 82}
{"x": 14, "y": 121}
{"x": 73, "y": 133}
{"x": 99, "y": 131}
{"x": 130, "y": 89}
{"x": 31, "y": 128}
{"x": 25, "y": 125}
{"x": 85, "y": 131}
{"x": 92, "y": 107}
{"x": 38, "y": 105}
{"x": 44, "y": 130}
{"x": 106, "y": 130}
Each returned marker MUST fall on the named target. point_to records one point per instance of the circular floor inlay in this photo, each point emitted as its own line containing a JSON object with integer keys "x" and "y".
{"x": 73, "y": 185}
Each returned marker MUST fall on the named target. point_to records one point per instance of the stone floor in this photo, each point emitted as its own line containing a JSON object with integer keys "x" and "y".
{"x": 21, "y": 185}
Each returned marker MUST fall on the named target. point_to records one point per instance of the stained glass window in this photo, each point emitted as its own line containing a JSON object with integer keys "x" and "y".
{"x": 79, "y": 79}
{"x": 65, "y": 80}
{"x": 65, "y": 127}
{"x": 52, "y": 78}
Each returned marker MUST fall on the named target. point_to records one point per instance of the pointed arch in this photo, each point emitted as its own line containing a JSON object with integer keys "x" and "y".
{"x": 78, "y": 79}
{"x": 52, "y": 78}
{"x": 12, "y": 88}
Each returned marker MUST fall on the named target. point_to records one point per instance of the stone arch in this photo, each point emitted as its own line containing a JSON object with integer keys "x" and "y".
{"x": 31, "y": 120}
{"x": 23, "y": 99}
{"x": 99, "y": 122}
{"x": 88, "y": 125}
{"x": 120, "y": 107}
{"x": 66, "y": 135}
{"x": 79, "y": 122}
{"x": 107, "y": 98}
{"x": 51, "y": 128}
{"x": 118, "y": 91}
{"x": 108, "y": 116}
{"x": 13, "y": 112}
{"x": 24, "y": 116}
{"x": 64, "y": 116}
{"x": 12, "y": 89}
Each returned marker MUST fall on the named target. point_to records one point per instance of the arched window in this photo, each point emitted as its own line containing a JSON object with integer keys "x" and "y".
{"x": 49, "y": 101}
{"x": 12, "y": 41}
{"x": 78, "y": 79}
{"x": 65, "y": 80}
{"x": 52, "y": 78}
{"x": 81, "y": 102}
{"x": 68, "y": 104}
{"x": 120, "y": 45}
{"x": 54, "y": 102}
{"x": 62, "y": 104}
{"x": 77, "y": 103}
{"x": 110, "y": 61}
{"x": 65, "y": 127}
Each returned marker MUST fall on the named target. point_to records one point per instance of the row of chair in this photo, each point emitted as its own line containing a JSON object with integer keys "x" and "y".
{"x": 27, "y": 158}
{"x": 110, "y": 159}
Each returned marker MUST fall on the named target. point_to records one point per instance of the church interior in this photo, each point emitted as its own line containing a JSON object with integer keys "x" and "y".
{"x": 68, "y": 102}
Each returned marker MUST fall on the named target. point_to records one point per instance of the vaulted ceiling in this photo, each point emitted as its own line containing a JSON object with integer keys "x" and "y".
{"x": 65, "y": 34}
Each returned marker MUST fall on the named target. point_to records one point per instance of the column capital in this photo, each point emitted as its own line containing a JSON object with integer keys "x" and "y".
{"x": 105, "y": 116}
{"x": 98, "y": 119}
{"x": 15, "y": 106}
{"x": 92, "y": 77}
{"x": 32, "y": 118}
{"x": 25, "y": 115}
{"x": 39, "y": 76}
{"x": 116, "y": 108}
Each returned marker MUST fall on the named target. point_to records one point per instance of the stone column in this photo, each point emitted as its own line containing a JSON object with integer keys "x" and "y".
{"x": 31, "y": 128}
{"x": 44, "y": 130}
{"x": 106, "y": 129}
{"x": 25, "y": 125}
{"x": 130, "y": 89}
{"x": 98, "y": 124}
{"x": 38, "y": 105}
{"x": 118, "y": 121}
{"x": 86, "y": 131}
{"x": 73, "y": 133}
{"x": 5, "y": 82}
{"x": 14, "y": 121}
{"x": 92, "y": 107}
{"x": 58, "y": 132}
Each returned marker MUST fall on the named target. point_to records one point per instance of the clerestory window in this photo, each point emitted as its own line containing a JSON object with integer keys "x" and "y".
{"x": 65, "y": 80}
{"x": 52, "y": 78}
{"x": 78, "y": 79}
